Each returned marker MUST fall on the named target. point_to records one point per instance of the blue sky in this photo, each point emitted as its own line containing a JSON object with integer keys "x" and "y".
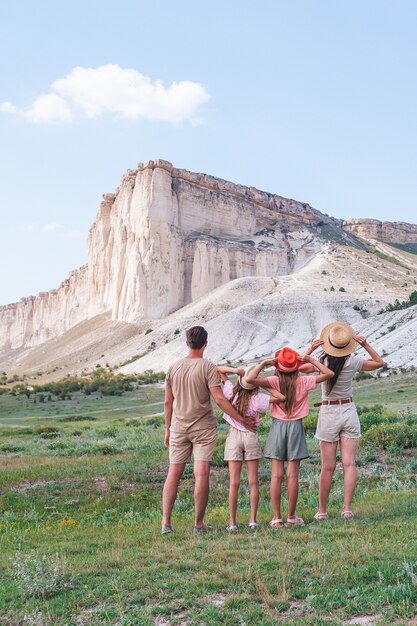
{"x": 314, "y": 100}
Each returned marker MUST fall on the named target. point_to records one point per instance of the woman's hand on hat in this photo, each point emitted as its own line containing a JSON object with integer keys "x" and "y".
{"x": 315, "y": 343}
{"x": 307, "y": 358}
{"x": 360, "y": 339}
{"x": 269, "y": 363}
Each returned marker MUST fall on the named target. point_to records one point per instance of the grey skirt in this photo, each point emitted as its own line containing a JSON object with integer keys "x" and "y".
{"x": 286, "y": 441}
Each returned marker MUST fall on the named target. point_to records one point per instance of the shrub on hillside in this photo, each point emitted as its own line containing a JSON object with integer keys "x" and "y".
{"x": 363, "y": 376}
{"x": 45, "y": 430}
{"x": 374, "y": 408}
{"x": 78, "y": 418}
{"x": 218, "y": 460}
{"x": 41, "y": 576}
{"x": 370, "y": 419}
{"x": 388, "y": 435}
{"x": 310, "y": 423}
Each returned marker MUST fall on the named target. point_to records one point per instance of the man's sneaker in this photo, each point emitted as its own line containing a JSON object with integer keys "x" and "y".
{"x": 200, "y": 530}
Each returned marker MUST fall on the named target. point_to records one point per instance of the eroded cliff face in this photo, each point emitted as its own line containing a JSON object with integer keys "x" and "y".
{"x": 169, "y": 236}
{"x": 389, "y": 232}
{"x": 165, "y": 238}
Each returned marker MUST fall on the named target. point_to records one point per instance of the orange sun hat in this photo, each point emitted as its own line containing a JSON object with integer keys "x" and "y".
{"x": 288, "y": 360}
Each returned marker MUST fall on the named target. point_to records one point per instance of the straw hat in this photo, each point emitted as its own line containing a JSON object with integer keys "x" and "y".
{"x": 242, "y": 379}
{"x": 288, "y": 360}
{"x": 338, "y": 339}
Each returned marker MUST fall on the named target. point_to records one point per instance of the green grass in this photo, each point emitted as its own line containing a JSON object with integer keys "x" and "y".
{"x": 100, "y": 513}
{"x": 411, "y": 248}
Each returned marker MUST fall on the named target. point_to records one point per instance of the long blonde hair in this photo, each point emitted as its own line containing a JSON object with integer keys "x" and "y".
{"x": 241, "y": 398}
{"x": 288, "y": 387}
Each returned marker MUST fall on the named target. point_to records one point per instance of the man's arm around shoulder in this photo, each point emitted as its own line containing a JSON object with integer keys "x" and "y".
{"x": 228, "y": 408}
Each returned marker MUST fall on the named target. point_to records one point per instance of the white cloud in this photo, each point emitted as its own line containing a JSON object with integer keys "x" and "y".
{"x": 49, "y": 108}
{"x": 91, "y": 92}
{"x": 52, "y": 228}
{"x": 75, "y": 234}
{"x": 8, "y": 107}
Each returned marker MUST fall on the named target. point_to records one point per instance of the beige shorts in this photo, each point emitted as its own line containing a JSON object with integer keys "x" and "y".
{"x": 242, "y": 446}
{"x": 338, "y": 421}
{"x": 200, "y": 443}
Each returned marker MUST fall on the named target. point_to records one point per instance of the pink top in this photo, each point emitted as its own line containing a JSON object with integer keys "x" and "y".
{"x": 258, "y": 403}
{"x": 300, "y": 408}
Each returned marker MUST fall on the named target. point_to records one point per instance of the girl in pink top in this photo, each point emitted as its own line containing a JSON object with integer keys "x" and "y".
{"x": 241, "y": 444}
{"x": 286, "y": 440}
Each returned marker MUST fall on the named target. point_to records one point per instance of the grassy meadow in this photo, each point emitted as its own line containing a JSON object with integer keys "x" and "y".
{"x": 80, "y": 490}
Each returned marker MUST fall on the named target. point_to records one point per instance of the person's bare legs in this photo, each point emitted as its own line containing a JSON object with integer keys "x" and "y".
{"x": 277, "y": 475}
{"x": 293, "y": 468}
{"x": 169, "y": 492}
{"x": 201, "y": 490}
{"x": 328, "y": 465}
{"x": 348, "y": 450}
{"x": 253, "y": 487}
{"x": 235, "y": 468}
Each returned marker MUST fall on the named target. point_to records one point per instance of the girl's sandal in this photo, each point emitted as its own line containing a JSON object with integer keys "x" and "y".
{"x": 321, "y": 517}
{"x": 276, "y": 523}
{"x": 294, "y": 521}
{"x": 253, "y": 525}
{"x": 347, "y": 514}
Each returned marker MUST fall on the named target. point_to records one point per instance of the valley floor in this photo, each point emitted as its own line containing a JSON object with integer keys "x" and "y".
{"x": 80, "y": 539}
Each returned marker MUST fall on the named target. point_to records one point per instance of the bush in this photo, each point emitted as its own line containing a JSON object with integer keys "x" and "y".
{"x": 218, "y": 460}
{"x": 363, "y": 376}
{"x": 11, "y": 447}
{"x": 45, "y": 431}
{"x": 310, "y": 422}
{"x": 39, "y": 575}
{"x": 370, "y": 419}
{"x": 155, "y": 421}
{"x": 78, "y": 418}
{"x": 388, "y": 435}
{"x": 103, "y": 448}
{"x": 375, "y": 408}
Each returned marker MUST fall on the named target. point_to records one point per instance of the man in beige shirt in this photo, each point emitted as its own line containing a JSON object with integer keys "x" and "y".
{"x": 191, "y": 426}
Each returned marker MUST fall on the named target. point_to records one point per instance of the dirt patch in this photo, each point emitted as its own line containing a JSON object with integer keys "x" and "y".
{"x": 362, "y": 620}
{"x": 35, "y": 485}
{"x": 218, "y": 600}
{"x": 101, "y": 484}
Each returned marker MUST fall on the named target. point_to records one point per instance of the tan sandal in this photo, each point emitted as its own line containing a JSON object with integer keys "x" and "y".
{"x": 276, "y": 523}
{"x": 294, "y": 521}
{"x": 321, "y": 517}
{"x": 347, "y": 514}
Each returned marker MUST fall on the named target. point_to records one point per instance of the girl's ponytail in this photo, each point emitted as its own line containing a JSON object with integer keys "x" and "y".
{"x": 288, "y": 387}
{"x": 240, "y": 399}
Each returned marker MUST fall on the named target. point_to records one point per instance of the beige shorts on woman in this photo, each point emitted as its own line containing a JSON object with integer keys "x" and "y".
{"x": 242, "y": 446}
{"x": 338, "y": 421}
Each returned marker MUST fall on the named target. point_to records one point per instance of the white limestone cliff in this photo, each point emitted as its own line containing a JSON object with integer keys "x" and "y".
{"x": 165, "y": 238}
{"x": 169, "y": 237}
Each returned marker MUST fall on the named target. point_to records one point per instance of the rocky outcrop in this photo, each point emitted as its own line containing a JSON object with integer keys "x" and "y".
{"x": 164, "y": 239}
{"x": 389, "y": 232}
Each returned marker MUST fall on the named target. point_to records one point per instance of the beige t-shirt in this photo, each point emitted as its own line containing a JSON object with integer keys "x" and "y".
{"x": 190, "y": 380}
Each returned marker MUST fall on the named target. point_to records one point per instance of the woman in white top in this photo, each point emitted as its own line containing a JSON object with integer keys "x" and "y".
{"x": 338, "y": 421}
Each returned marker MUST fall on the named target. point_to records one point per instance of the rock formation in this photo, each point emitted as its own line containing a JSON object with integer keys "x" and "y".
{"x": 389, "y": 232}
{"x": 168, "y": 237}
